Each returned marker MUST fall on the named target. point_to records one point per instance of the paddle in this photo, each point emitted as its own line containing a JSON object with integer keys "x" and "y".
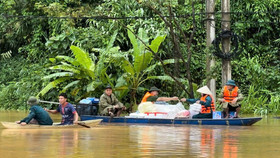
{"x": 50, "y": 102}
{"x": 83, "y": 124}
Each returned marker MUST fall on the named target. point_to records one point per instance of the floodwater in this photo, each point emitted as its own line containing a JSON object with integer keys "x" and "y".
{"x": 120, "y": 140}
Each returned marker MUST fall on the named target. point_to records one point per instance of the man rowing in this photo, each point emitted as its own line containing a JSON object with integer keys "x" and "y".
{"x": 67, "y": 110}
{"x": 37, "y": 114}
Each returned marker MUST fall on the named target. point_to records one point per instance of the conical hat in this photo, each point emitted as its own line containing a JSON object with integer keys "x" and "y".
{"x": 204, "y": 90}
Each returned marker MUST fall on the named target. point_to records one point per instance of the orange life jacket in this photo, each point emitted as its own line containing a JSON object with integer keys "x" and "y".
{"x": 207, "y": 109}
{"x": 146, "y": 96}
{"x": 230, "y": 95}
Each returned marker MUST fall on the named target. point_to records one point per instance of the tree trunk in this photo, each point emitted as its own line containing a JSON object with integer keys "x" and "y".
{"x": 132, "y": 100}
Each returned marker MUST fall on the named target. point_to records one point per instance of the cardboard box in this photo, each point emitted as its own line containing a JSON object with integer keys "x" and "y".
{"x": 231, "y": 114}
{"x": 217, "y": 115}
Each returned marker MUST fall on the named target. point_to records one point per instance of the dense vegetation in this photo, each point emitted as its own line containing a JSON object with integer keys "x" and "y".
{"x": 79, "y": 47}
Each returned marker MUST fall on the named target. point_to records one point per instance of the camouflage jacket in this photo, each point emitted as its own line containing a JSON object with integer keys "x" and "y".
{"x": 108, "y": 102}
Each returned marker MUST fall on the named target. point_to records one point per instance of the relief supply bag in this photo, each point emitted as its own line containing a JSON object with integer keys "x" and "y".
{"x": 194, "y": 109}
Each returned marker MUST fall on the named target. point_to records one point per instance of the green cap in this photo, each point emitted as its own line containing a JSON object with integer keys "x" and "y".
{"x": 231, "y": 83}
{"x": 108, "y": 86}
{"x": 154, "y": 89}
{"x": 32, "y": 101}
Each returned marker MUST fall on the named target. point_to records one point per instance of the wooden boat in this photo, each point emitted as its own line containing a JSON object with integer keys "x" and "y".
{"x": 81, "y": 124}
{"x": 181, "y": 121}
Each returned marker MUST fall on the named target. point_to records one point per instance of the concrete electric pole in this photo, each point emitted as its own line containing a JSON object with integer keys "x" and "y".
{"x": 226, "y": 66}
{"x": 210, "y": 36}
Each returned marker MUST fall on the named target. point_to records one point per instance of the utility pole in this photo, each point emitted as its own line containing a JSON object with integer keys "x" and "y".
{"x": 210, "y": 36}
{"x": 226, "y": 66}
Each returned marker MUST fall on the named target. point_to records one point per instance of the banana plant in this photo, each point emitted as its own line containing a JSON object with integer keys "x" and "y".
{"x": 82, "y": 72}
{"x": 137, "y": 64}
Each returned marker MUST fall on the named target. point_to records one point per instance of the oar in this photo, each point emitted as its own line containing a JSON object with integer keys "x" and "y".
{"x": 83, "y": 124}
{"x": 49, "y": 102}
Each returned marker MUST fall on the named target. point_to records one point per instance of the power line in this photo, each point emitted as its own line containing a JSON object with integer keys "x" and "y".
{"x": 277, "y": 21}
{"x": 87, "y": 17}
{"x": 133, "y": 17}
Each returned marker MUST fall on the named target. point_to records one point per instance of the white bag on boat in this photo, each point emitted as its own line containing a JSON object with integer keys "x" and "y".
{"x": 147, "y": 107}
{"x": 174, "y": 110}
{"x": 135, "y": 115}
{"x": 183, "y": 113}
{"x": 194, "y": 109}
{"x": 171, "y": 110}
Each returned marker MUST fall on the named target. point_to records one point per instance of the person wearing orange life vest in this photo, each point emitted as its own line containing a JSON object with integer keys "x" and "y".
{"x": 230, "y": 98}
{"x": 206, "y": 101}
{"x": 154, "y": 92}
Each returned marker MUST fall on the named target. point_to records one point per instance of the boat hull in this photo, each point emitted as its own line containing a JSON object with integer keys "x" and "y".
{"x": 182, "y": 121}
{"x": 83, "y": 124}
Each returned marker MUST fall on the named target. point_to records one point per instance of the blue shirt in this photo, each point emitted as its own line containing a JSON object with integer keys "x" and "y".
{"x": 67, "y": 113}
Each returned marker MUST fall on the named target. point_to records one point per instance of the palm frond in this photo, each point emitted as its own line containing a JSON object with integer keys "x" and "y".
{"x": 133, "y": 40}
{"x": 126, "y": 65}
{"x": 165, "y": 62}
{"x": 141, "y": 62}
{"x": 75, "y": 91}
{"x": 82, "y": 58}
{"x": 97, "y": 49}
{"x": 163, "y": 78}
{"x": 70, "y": 85}
{"x": 101, "y": 72}
{"x": 65, "y": 68}
{"x": 68, "y": 59}
{"x": 6, "y": 55}
{"x": 122, "y": 86}
{"x": 156, "y": 43}
{"x": 121, "y": 91}
{"x": 58, "y": 74}
{"x": 112, "y": 40}
{"x": 150, "y": 68}
{"x": 65, "y": 63}
{"x": 53, "y": 60}
{"x": 142, "y": 34}
{"x": 93, "y": 85}
{"x": 168, "y": 61}
{"x": 52, "y": 85}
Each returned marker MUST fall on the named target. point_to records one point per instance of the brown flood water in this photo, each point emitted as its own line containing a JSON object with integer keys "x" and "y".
{"x": 120, "y": 140}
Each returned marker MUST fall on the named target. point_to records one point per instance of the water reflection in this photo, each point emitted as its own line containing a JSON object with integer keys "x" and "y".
{"x": 202, "y": 141}
{"x": 230, "y": 146}
{"x": 193, "y": 140}
{"x": 41, "y": 142}
{"x": 124, "y": 140}
{"x": 159, "y": 140}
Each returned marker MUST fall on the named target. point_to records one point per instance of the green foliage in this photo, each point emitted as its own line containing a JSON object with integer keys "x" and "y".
{"x": 261, "y": 102}
{"x": 60, "y": 43}
{"x": 18, "y": 82}
{"x": 81, "y": 73}
{"x": 127, "y": 63}
{"x": 6, "y": 55}
{"x": 138, "y": 65}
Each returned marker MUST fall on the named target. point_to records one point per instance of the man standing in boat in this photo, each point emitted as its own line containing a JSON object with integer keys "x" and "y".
{"x": 109, "y": 105}
{"x": 154, "y": 92}
{"x": 67, "y": 110}
{"x": 206, "y": 101}
{"x": 37, "y": 114}
{"x": 230, "y": 97}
